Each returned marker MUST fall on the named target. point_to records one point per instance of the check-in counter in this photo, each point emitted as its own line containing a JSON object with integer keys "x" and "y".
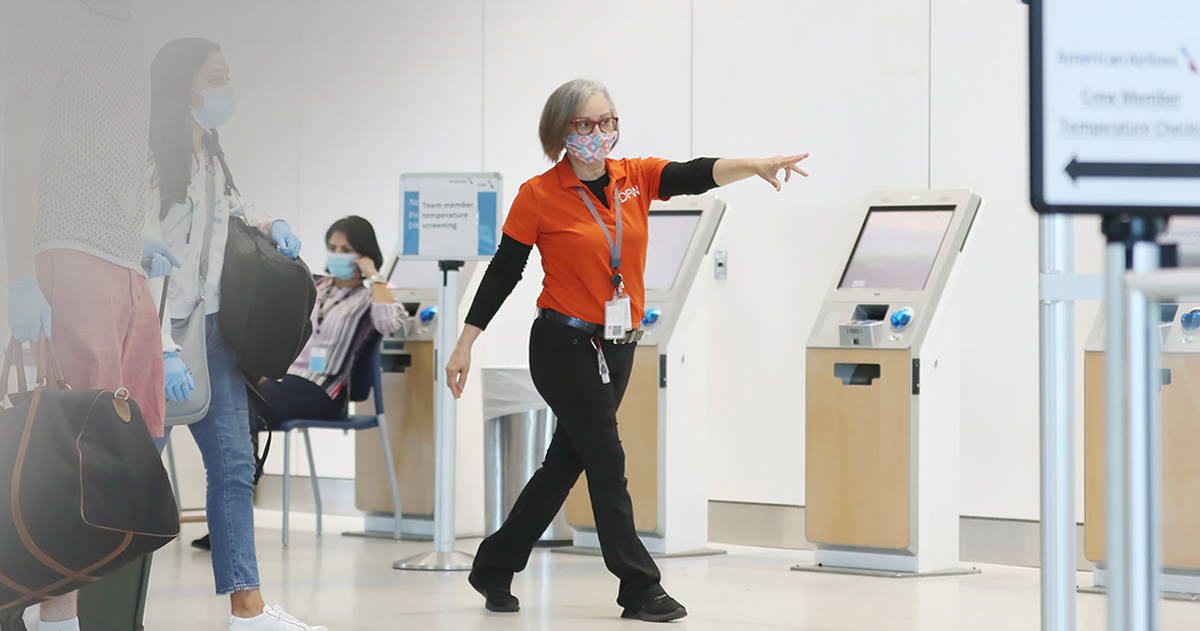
{"x": 663, "y": 418}
{"x": 1179, "y": 328}
{"x": 408, "y": 385}
{"x": 882, "y": 396}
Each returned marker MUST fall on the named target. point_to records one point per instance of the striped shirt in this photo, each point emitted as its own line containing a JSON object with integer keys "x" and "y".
{"x": 335, "y": 319}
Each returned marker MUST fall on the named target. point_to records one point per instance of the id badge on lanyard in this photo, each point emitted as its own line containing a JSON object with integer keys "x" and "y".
{"x": 618, "y": 316}
{"x": 618, "y": 312}
{"x": 318, "y": 361}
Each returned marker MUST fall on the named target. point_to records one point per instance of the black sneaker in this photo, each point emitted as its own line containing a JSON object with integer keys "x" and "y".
{"x": 202, "y": 544}
{"x": 661, "y": 608}
{"x": 499, "y": 599}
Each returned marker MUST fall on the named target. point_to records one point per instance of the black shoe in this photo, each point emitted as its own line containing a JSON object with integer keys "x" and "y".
{"x": 499, "y": 599}
{"x": 202, "y": 544}
{"x": 661, "y": 608}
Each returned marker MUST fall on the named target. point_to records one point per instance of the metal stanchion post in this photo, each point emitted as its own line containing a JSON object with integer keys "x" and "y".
{"x": 1132, "y": 471}
{"x": 1143, "y": 530}
{"x": 444, "y": 557}
{"x": 1116, "y": 383}
{"x": 1057, "y": 256}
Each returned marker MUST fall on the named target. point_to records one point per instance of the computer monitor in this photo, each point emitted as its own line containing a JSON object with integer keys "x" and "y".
{"x": 670, "y": 235}
{"x": 407, "y": 274}
{"x": 897, "y": 247}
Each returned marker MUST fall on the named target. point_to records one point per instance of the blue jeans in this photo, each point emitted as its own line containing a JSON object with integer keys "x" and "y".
{"x": 223, "y": 436}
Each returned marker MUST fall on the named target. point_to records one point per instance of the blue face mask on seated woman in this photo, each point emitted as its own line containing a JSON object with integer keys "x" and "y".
{"x": 219, "y": 104}
{"x": 342, "y": 266}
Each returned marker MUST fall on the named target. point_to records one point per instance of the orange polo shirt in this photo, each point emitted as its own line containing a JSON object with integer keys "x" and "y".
{"x": 548, "y": 213}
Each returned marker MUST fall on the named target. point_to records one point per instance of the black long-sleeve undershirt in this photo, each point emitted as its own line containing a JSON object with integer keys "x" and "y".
{"x": 694, "y": 177}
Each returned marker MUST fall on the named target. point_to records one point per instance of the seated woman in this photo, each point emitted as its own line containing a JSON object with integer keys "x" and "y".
{"x": 316, "y": 385}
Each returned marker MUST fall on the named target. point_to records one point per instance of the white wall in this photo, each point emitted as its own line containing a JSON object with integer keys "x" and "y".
{"x": 847, "y": 81}
{"x": 980, "y": 141}
{"x": 337, "y": 100}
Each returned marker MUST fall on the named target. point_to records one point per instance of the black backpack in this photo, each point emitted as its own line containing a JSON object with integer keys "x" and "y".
{"x": 267, "y": 302}
{"x": 266, "y": 298}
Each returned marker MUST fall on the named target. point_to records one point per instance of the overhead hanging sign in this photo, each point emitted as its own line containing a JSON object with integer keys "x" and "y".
{"x": 1115, "y": 116}
{"x": 450, "y": 216}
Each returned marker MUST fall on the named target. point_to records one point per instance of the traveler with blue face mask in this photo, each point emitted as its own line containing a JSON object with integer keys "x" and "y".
{"x": 588, "y": 218}
{"x": 193, "y": 198}
{"x": 316, "y": 385}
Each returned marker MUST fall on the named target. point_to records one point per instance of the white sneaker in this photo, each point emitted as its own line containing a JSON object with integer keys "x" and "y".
{"x": 271, "y": 619}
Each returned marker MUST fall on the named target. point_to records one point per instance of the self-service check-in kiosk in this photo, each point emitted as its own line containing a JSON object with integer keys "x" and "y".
{"x": 1179, "y": 328}
{"x": 408, "y": 385}
{"x": 882, "y": 391}
{"x": 663, "y": 419}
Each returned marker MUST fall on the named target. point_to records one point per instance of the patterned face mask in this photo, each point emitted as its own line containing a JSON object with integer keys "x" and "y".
{"x": 592, "y": 148}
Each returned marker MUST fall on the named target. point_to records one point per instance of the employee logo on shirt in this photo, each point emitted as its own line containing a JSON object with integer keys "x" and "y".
{"x": 630, "y": 193}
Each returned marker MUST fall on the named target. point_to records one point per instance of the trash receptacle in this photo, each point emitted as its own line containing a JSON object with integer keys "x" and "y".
{"x": 518, "y": 432}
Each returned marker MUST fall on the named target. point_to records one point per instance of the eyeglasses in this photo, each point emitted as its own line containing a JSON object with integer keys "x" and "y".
{"x": 585, "y": 126}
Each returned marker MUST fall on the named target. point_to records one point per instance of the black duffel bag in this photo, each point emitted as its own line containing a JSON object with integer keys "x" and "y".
{"x": 83, "y": 491}
{"x": 267, "y": 301}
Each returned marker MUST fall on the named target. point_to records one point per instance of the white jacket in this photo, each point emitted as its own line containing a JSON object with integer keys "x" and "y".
{"x": 182, "y": 231}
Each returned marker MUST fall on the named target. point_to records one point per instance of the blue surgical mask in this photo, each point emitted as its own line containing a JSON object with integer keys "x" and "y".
{"x": 342, "y": 266}
{"x": 219, "y": 104}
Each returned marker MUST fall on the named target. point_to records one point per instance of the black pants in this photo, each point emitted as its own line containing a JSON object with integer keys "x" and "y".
{"x": 298, "y": 398}
{"x": 565, "y": 370}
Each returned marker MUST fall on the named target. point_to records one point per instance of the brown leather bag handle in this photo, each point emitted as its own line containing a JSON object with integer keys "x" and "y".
{"x": 48, "y": 364}
{"x": 15, "y": 358}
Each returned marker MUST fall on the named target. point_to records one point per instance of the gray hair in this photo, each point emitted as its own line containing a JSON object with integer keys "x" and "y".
{"x": 560, "y": 111}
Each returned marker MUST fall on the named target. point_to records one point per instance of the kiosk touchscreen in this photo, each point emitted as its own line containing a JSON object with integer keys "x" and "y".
{"x": 882, "y": 391}
{"x": 408, "y": 384}
{"x": 662, "y": 427}
{"x": 1179, "y": 328}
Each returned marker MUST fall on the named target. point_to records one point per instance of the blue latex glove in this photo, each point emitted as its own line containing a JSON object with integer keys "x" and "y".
{"x": 428, "y": 314}
{"x": 179, "y": 379}
{"x": 287, "y": 242}
{"x": 161, "y": 258}
{"x": 28, "y": 311}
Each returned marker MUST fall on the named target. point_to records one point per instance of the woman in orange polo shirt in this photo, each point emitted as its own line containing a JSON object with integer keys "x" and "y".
{"x": 588, "y": 216}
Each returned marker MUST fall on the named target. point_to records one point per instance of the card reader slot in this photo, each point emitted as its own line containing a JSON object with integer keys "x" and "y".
{"x": 856, "y": 374}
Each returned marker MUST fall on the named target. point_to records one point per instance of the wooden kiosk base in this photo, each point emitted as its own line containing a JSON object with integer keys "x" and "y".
{"x": 1181, "y": 463}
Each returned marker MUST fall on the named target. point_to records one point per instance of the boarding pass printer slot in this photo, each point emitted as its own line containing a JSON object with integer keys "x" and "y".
{"x": 866, "y": 327}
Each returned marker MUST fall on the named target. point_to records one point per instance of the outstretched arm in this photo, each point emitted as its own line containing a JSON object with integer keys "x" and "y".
{"x": 729, "y": 170}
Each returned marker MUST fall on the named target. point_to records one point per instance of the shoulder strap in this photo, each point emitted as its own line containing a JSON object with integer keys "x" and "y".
{"x": 210, "y": 194}
{"x": 15, "y": 357}
{"x": 162, "y": 303}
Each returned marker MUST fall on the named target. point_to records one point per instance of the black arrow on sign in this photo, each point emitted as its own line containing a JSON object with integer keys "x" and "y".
{"x": 1079, "y": 169}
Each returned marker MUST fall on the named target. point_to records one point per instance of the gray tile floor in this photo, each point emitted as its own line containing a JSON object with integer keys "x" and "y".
{"x": 347, "y": 584}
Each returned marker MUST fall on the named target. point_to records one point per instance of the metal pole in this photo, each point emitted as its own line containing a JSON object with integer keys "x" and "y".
{"x": 1057, "y": 256}
{"x": 1116, "y": 384}
{"x": 1132, "y": 449}
{"x": 444, "y": 557}
{"x": 446, "y": 417}
{"x": 1143, "y": 528}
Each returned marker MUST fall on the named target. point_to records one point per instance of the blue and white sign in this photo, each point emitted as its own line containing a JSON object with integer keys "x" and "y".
{"x": 450, "y": 216}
